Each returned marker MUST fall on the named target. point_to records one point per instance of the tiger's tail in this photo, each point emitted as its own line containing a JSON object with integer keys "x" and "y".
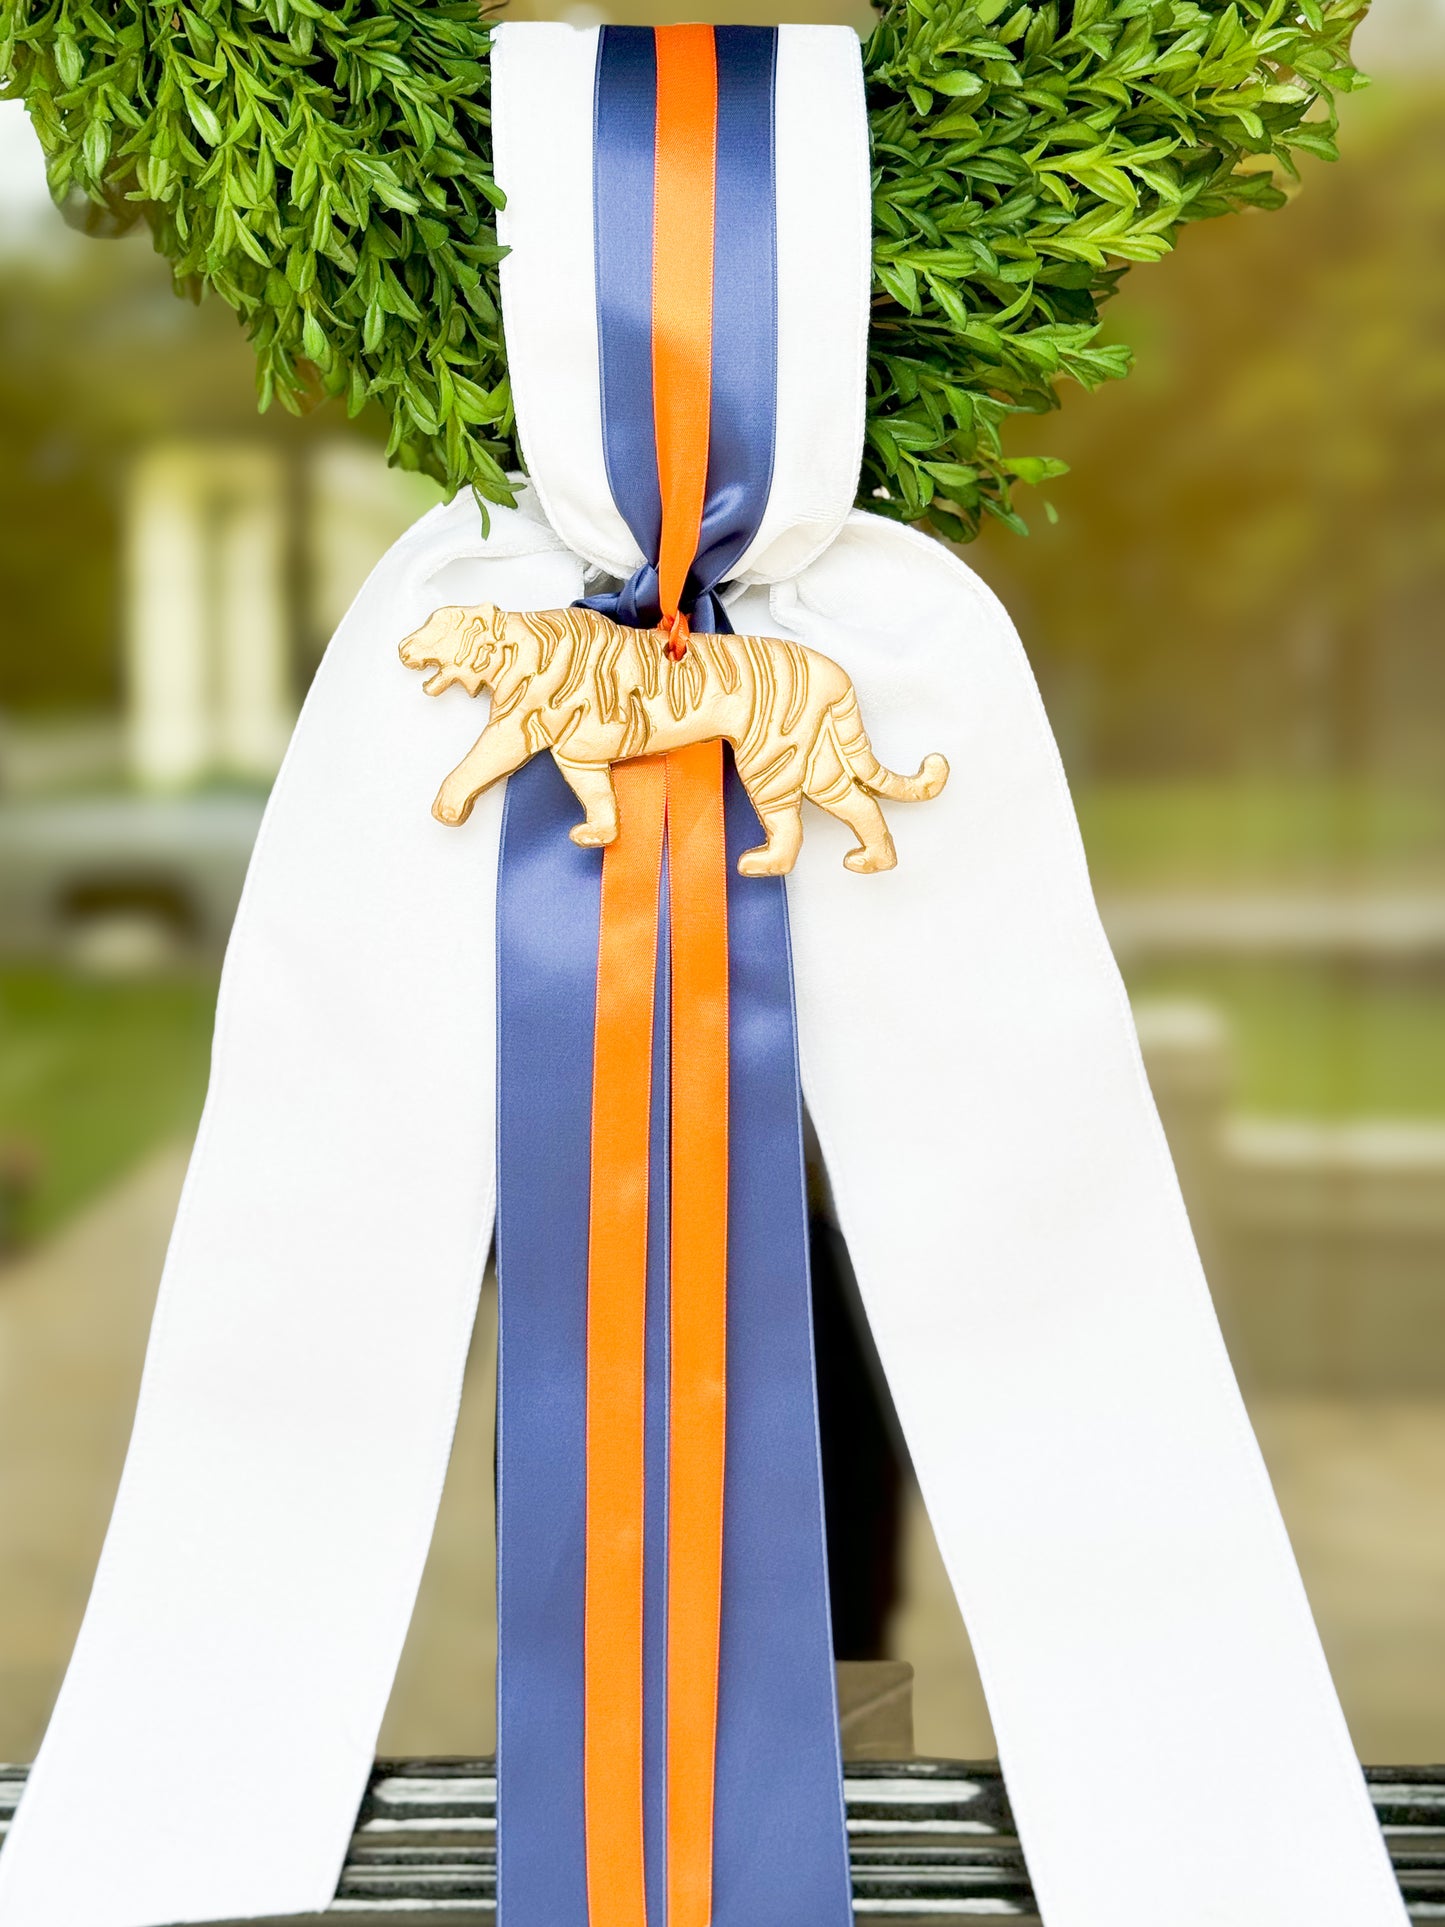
{"x": 856, "y": 754}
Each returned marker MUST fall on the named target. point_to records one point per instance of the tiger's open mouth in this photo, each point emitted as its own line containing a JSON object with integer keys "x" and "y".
{"x": 416, "y": 654}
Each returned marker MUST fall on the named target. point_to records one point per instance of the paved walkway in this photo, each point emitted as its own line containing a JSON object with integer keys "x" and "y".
{"x": 1362, "y": 1485}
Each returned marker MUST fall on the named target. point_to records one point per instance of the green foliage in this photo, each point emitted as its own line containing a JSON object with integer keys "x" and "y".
{"x": 325, "y": 168}
{"x": 1252, "y": 580}
{"x": 1024, "y": 157}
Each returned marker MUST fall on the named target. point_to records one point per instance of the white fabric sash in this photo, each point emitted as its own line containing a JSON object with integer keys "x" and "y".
{"x": 971, "y": 1067}
{"x": 1024, "y": 1257}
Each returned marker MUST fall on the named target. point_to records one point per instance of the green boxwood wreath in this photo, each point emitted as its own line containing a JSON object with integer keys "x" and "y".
{"x": 326, "y": 169}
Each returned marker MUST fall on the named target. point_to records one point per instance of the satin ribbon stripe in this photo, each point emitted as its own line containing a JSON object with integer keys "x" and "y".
{"x": 742, "y": 431}
{"x": 684, "y": 211}
{"x": 617, "y": 1348}
{"x": 548, "y": 916}
{"x": 682, "y": 276}
{"x": 697, "y": 861}
{"x": 623, "y": 172}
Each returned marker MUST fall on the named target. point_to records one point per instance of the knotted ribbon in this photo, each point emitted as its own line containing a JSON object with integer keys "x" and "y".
{"x": 694, "y": 1694}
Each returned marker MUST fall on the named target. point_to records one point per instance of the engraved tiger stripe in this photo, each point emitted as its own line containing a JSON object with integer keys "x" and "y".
{"x": 764, "y": 695}
{"x": 638, "y": 730}
{"x": 606, "y": 681}
{"x": 574, "y": 671}
{"x": 798, "y": 693}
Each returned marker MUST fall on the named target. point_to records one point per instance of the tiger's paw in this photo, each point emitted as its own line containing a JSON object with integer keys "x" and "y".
{"x": 593, "y": 836}
{"x": 764, "y": 862}
{"x": 453, "y": 806}
{"x": 868, "y": 860}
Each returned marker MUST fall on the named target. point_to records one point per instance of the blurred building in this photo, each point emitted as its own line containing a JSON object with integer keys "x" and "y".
{"x": 237, "y": 557}
{"x": 208, "y": 671}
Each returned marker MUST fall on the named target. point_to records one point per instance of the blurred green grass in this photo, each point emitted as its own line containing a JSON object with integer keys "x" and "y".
{"x": 1320, "y": 1040}
{"x": 93, "y": 1075}
{"x": 1260, "y": 834}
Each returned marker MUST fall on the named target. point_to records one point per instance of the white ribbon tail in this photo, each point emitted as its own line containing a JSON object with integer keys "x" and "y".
{"x": 1001, "y": 1177}
{"x": 306, "y": 1359}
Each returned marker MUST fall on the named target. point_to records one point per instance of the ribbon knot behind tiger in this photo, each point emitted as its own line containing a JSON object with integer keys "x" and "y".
{"x": 595, "y": 693}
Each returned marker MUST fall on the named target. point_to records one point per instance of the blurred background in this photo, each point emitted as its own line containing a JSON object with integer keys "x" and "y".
{"x": 1234, "y": 610}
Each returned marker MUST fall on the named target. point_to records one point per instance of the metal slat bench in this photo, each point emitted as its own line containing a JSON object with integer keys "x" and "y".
{"x": 932, "y": 1843}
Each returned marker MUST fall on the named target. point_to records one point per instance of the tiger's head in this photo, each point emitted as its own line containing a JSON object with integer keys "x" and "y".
{"x": 459, "y": 646}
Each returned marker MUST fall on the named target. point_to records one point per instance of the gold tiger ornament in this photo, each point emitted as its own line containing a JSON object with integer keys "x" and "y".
{"x": 595, "y": 693}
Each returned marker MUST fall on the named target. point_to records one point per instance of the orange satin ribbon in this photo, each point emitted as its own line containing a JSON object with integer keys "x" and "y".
{"x": 682, "y": 299}
{"x": 697, "y": 861}
{"x": 684, "y": 791}
{"x": 617, "y": 1348}
{"x": 682, "y": 251}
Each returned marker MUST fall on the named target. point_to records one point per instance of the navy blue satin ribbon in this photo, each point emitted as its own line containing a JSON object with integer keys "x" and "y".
{"x": 549, "y": 904}
{"x": 780, "y": 1855}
